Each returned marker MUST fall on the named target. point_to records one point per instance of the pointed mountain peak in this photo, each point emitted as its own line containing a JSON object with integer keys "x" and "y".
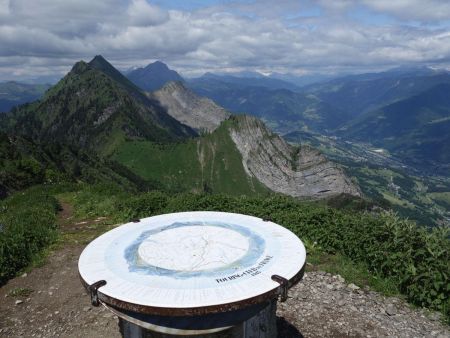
{"x": 99, "y": 58}
{"x": 157, "y": 65}
{"x": 154, "y": 76}
{"x": 101, "y": 64}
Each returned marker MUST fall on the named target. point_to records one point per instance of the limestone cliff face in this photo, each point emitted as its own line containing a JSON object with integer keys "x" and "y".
{"x": 197, "y": 112}
{"x": 295, "y": 171}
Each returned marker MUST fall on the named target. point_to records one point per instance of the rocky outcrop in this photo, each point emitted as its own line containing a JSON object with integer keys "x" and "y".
{"x": 184, "y": 105}
{"x": 295, "y": 171}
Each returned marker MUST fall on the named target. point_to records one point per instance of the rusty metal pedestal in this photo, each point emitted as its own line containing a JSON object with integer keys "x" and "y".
{"x": 262, "y": 325}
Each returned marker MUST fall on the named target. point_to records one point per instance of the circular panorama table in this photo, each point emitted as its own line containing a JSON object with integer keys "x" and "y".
{"x": 192, "y": 272}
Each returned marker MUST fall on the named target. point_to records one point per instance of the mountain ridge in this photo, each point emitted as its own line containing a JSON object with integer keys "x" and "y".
{"x": 199, "y": 113}
{"x": 250, "y": 80}
{"x": 417, "y": 128}
{"x": 360, "y": 94}
{"x": 25, "y": 163}
{"x": 94, "y": 106}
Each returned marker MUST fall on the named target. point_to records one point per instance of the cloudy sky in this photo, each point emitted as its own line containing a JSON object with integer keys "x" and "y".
{"x": 45, "y": 37}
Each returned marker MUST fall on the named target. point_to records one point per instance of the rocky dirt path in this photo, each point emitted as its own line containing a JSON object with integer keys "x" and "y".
{"x": 323, "y": 305}
{"x": 49, "y": 301}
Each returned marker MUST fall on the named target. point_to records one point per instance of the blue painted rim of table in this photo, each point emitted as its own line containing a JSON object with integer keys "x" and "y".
{"x": 253, "y": 271}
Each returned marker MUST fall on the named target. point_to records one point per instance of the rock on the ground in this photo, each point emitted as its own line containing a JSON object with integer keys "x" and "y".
{"x": 353, "y": 287}
{"x": 391, "y": 310}
{"x": 315, "y": 310}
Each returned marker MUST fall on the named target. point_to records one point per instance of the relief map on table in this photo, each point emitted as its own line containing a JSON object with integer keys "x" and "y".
{"x": 219, "y": 251}
{"x": 191, "y": 249}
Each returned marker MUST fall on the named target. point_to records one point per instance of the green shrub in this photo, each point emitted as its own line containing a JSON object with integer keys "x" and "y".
{"x": 28, "y": 225}
{"x": 144, "y": 205}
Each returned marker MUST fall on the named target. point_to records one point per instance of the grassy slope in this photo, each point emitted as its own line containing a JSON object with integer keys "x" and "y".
{"x": 442, "y": 198}
{"x": 411, "y": 200}
{"x": 211, "y": 163}
{"x": 24, "y": 163}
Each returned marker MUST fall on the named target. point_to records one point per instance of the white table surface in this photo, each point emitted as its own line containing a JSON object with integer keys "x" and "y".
{"x": 191, "y": 259}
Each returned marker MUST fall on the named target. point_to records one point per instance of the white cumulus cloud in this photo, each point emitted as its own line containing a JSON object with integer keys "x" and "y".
{"x": 294, "y": 36}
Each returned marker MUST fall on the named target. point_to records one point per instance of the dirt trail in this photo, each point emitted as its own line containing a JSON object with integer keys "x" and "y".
{"x": 58, "y": 306}
{"x": 321, "y": 305}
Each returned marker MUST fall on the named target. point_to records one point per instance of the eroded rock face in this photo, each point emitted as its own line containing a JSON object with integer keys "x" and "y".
{"x": 298, "y": 172}
{"x": 182, "y": 104}
{"x": 295, "y": 171}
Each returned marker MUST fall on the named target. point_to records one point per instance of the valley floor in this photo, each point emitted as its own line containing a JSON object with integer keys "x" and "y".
{"x": 49, "y": 301}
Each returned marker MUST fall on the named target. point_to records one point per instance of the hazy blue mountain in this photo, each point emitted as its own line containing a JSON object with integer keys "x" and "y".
{"x": 304, "y": 80}
{"x": 246, "y": 79}
{"x": 154, "y": 76}
{"x": 14, "y": 93}
{"x": 282, "y": 109}
{"x": 417, "y": 128}
{"x": 357, "y": 94}
{"x": 241, "y": 74}
{"x": 39, "y": 79}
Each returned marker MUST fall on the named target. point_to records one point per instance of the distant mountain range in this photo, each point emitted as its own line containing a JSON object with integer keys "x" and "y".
{"x": 15, "y": 93}
{"x": 359, "y": 94}
{"x": 282, "y": 109}
{"x": 96, "y": 123}
{"x": 405, "y": 110}
{"x": 212, "y": 81}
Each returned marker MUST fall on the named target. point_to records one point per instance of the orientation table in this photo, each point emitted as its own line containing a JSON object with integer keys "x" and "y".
{"x": 193, "y": 273}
